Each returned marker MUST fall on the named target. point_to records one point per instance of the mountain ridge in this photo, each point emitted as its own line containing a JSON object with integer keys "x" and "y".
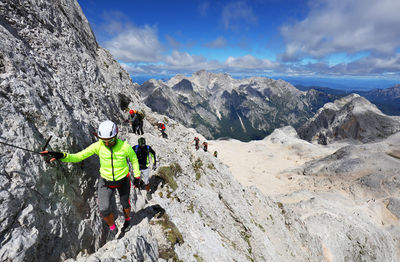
{"x": 387, "y": 99}
{"x": 218, "y": 105}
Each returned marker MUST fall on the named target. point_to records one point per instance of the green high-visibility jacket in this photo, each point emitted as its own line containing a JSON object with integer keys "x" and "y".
{"x": 113, "y": 161}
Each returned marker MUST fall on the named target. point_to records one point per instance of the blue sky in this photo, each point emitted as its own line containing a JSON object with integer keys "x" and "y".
{"x": 290, "y": 38}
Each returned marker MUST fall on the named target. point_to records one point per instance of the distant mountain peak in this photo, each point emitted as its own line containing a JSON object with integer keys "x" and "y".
{"x": 351, "y": 117}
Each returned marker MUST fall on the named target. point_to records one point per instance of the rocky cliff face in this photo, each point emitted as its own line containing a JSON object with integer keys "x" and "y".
{"x": 55, "y": 81}
{"x": 217, "y": 105}
{"x": 351, "y": 117}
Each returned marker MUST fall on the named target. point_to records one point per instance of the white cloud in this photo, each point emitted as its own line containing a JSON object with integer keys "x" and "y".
{"x": 249, "y": 62}
{"x": 186, "y": 62}
{"x": 236, "y": 14}
{"x": 134, "y": 44}
{"x": 344, "y": 26}
{"x": 220, "y": 42}
{"x": 183, "y": 59}
{"x": 371, "y": 66}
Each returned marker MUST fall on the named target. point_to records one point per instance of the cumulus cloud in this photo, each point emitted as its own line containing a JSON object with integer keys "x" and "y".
{"x": 366, "y": 66}
{"x": 370, "y": 66}
{"x": 235, "y": 14}
{"x": 220, "y": 42}
{"x": 134, "y": 44}
{"x": 249, "y": 62}
{"x": 182, "y": 62}
{"x": 185, "y": 61}
{"x": 337, "y": 26}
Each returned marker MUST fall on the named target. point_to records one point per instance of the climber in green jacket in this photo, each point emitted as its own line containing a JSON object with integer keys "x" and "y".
{"x": 114, "y": 171}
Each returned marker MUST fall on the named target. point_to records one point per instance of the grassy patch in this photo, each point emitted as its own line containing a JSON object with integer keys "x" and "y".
{"x": 246, "y": 237}
{"x": 168, "y": 174}
{"x": 191, "y": 207}
{"x": 261, "y": 227}
{"x": 211, "y": 166}
{"x": 280, "y": 205}
{"x": 198, "y": 258}
{"x": 197, "y": 166}
{"x": 172, "y": 235}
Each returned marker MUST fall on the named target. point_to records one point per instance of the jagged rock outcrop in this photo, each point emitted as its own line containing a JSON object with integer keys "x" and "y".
{"x": 351, "y": 117}
{"x": 217, "y": 105}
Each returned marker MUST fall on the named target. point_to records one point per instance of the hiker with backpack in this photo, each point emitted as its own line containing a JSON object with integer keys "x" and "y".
{"x": 114, "y": 172}
{"x": 144, "y": 154}
{"x": 205, "y": 146}
{"x": 135, "y": 122}
{"x": 196, "y": 143}
{"x": 162, "y": 128}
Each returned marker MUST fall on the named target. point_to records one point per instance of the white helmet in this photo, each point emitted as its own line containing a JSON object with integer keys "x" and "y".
{"x": 107, "y": 129}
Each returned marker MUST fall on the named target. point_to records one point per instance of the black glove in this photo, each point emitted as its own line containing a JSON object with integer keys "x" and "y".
{"x": 55, "y": 155}
{"x": 136, "y": 181}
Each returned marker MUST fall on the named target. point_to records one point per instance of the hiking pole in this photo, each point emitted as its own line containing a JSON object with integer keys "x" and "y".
{"x": 47, "y": 143}
{"x": 28, "y": 150}
{"x": 25, "y": 149}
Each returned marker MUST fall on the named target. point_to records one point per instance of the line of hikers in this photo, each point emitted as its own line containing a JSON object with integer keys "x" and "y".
{"x": 196, "y": 141}
{"x": 136, "y": 120}
{"x": 115, "y": 173}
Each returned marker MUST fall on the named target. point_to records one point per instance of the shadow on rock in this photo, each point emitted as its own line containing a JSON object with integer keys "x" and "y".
{"x": 149, "y": 212}
{"x": 155, "y": 181}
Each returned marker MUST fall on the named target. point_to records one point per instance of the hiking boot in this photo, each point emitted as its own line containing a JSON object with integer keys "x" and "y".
{"x": 127, "y": 226}
{"x": 112, "y": 234}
